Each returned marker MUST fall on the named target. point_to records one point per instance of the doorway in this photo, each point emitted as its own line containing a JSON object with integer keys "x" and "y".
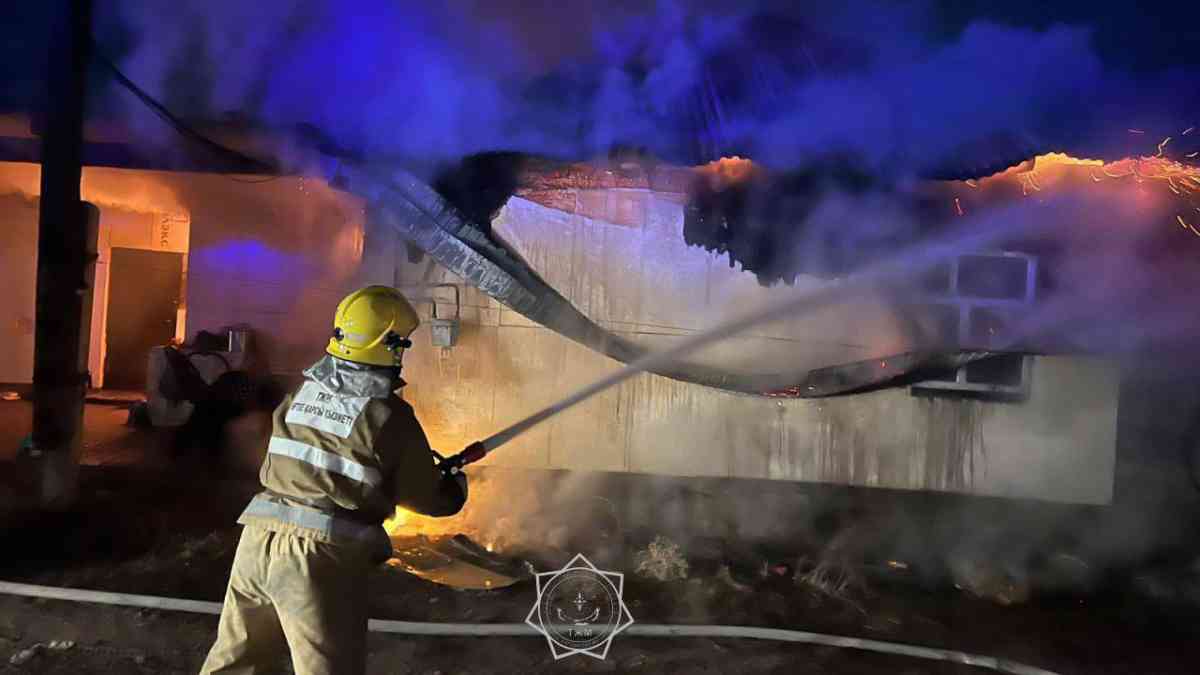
{"x": 144, "y": 289}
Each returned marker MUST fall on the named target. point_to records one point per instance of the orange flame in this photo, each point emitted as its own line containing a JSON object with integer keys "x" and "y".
{"x": 1186, "y": 225}
{"x": 1179, "y": 177}
{"x": 397, "y": 522}
{"x": 728, "y": 171}
{"x": 1052, "y": 169}
{"x": 405, "y": 523}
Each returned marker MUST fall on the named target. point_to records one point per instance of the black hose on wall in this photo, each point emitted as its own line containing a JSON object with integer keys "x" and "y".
{"x": 421, "y": 216}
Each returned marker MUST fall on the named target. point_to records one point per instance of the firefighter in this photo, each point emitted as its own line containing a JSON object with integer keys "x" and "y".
{"x": 344, "y": 451}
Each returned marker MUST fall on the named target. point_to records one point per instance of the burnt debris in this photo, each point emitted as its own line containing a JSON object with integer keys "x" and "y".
{"x": 766, "y": 222}
{"x": 479, "y": 185}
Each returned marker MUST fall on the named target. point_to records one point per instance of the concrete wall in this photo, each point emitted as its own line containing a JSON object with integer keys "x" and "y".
{"x": 634, "y": 274}
{"x": 276, "y": 254}
{"x": 1059, "y": 445}
{"x": 157, "y": 228}
{"x": 279, "y": 256}
{"x": 18, "y": 278}
{"x": 641, "y": 281}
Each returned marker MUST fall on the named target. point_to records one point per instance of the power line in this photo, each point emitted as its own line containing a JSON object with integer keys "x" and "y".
{"x": 250, "y": 164}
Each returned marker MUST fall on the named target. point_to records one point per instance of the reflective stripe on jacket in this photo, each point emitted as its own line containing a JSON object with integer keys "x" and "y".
{"x": 340, "y": 461}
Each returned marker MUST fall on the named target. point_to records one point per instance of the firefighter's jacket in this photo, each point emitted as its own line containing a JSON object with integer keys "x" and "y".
{"x": 344, "y": 451}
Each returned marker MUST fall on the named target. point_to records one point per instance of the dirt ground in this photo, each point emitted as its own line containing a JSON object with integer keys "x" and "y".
{"x": 151, "y": 524}
{"x": 1103, "y": 635}
{"x": 113, "y": 640}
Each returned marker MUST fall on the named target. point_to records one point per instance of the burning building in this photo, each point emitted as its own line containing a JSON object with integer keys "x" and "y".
{"x": 926, "y": 397}
{"x": 610, "y": 240}
{"x": 915, "y": 281}
{"x": 1030, "y": 410}
{"x": 613, "y": 245}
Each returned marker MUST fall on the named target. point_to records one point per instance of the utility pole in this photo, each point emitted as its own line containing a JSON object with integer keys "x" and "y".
{"x": 64, "y": 262}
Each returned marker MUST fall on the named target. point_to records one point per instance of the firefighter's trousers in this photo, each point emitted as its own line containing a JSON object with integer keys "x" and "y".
{"x": 292, "y": 592}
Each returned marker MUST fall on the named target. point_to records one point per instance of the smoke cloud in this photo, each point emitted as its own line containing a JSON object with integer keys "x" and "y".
{"x": 886, "y": 89}
{"x": 686, "y": 83}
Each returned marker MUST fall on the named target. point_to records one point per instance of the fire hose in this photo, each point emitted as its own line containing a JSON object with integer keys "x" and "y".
{"x": 523, "y": 630}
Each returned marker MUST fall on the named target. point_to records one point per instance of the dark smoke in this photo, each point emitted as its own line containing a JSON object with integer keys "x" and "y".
{"x": 826, "y": 219}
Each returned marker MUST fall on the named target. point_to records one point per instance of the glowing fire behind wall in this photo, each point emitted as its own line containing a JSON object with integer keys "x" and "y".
{"x": 1155, "y": 181}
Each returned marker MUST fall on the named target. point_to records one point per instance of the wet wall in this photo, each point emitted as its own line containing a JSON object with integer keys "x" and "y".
{"x": 622, "y": 261}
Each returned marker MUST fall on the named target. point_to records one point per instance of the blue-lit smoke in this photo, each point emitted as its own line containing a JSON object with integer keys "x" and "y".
{"x": 443, "y": 80}
{"x": 249, "y": 260}
{"x": 873, "y": 83}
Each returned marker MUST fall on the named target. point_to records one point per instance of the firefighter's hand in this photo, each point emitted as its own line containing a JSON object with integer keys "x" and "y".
{"x": 381, "y": 548}
{"x": 461, "y": 479}
{"x": 454, "y": 464}
{"x": 452, "y": 489}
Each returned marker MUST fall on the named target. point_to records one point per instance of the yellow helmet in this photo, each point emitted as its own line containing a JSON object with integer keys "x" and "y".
{"x": 372, "y": 326}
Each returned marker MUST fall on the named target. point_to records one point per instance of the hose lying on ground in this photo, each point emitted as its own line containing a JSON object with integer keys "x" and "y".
{"x": 522, "y": 630}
